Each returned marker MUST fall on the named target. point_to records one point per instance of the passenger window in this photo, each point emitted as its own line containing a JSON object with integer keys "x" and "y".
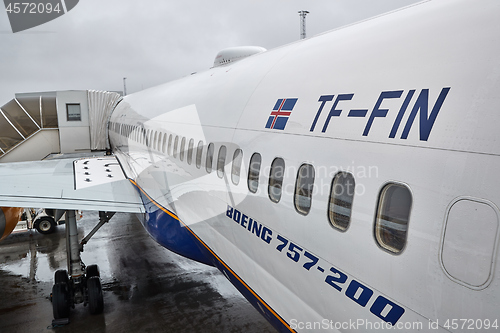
{"x": 199, "y": 153}
{"x": 304, "y": 188}
{"x": 341, "y": 198}
{"x": 393, "y": 214}
{"x": 253, "y": 172}
{"x": 169, "y": 148}
{"x": 221, "y": 161}
{"x": 190, "y": 151}
{"x": 210, "y": 157}
{"x": 236, "y": 169}
{"x": 176, "y": 145}
{"x": 182, "y": 149}
{"x": 276, "y": 176}
{"x": 164, "y": 144}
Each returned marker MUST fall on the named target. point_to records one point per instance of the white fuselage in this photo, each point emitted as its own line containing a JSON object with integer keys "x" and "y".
{"x": 424, "y": 85}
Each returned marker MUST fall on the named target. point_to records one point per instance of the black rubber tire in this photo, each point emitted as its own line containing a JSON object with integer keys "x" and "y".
{"x": 94, "y": 290}
{"x": 92, "y": 270}
{"x": 45, "y": 225}
{"x": 61, "y": 276}
{"x": 60, "y": 301}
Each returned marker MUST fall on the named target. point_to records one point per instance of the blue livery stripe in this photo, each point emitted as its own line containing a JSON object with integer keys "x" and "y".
{"x": 181, "y": 230}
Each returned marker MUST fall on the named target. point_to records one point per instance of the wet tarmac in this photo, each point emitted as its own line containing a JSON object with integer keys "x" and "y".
{"x": 146, "y": 287}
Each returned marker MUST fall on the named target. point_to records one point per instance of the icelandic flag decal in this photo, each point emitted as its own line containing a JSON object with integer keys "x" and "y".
{"x": 281, "y": 112}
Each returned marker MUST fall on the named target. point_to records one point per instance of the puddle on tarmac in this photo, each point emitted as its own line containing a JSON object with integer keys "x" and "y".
{"x": 36, "y": 257}
{"x": 146, "y": 287}
{"x": 32, "y": 255}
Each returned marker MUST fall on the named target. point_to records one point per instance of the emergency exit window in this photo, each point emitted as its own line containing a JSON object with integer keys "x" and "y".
{"x": 73, "y": 112}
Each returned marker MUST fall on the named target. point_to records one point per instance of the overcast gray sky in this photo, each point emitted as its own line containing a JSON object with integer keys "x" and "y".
{"x": 151, "y": 42}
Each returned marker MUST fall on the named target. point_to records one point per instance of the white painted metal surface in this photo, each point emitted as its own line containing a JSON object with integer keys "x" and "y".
{"x": 366, "y": 97}
{"x": 409, "y": 98}
{"x": 96, "y": 171}
{"x": 51, "y": 184}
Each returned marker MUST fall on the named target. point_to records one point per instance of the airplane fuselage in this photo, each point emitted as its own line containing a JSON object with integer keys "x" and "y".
{"x": 240, "y": 167}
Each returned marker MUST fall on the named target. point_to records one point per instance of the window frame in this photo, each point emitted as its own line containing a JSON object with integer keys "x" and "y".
{"x": 221, "y": 162}
{"x": 199, "y": 154}
{"x": 176, "y": 145}
{"x": 158, "y": 143}
{"x": 236, "y": 166}
{"x": 331, "y": 198}
{"x": 73, "y": 116}
{"x": 164, "y": 143}
{"x": 189, "y": 159}
{"x": 298, "y": 188}
{"x": 169, "y": 145}
{"x": 253, "y": 177}
{"x": 182, "y": 149}
{"x": 381, "y": 206}
{"x": 209, "y": 161}
{"x": 275, "y": 182}
{"x": 154, "y": 140}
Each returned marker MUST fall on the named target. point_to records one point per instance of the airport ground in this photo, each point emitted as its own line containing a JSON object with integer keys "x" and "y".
{"x": 146, "y": 287}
